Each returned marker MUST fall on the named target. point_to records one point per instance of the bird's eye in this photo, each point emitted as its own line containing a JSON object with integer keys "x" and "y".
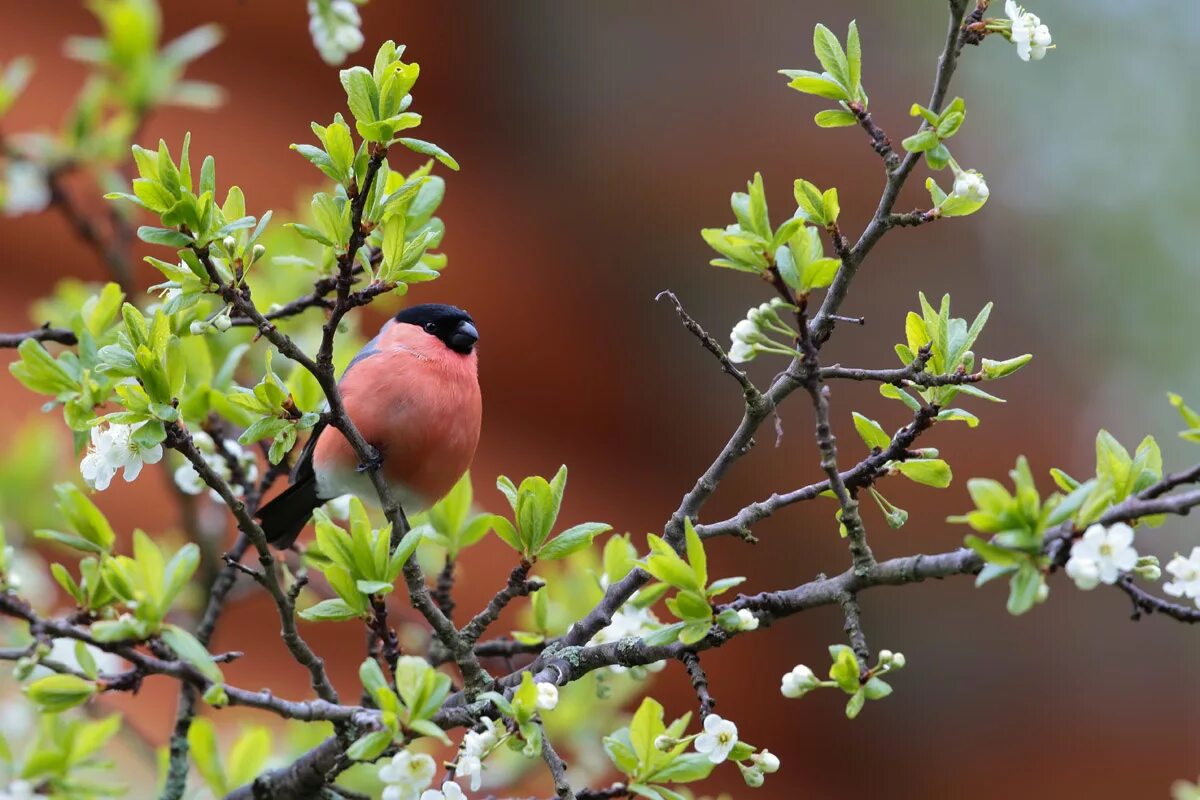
{"x": 430, "y": 327}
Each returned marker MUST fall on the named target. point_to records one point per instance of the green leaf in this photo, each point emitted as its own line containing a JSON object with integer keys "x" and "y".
{"x": 854, "y": 59}
{"x": 845, "y": 669}
{"x": 362, "y": 95}
{"x": 168, "y": 237}
{"x": 835, "y": 119}
{"x": 371, "y": 745}
{"x": 994, "y": 554}
{"x": 86, "y": 663}
{"x": 928, "y": 471}
{"x": 920, "y": 142}
{"x": 202, "y": 745}
{"x": 249, "y": 755}
{"x": 958, "y": 415}
{"x": 430, "y": 149}
{"x": 819, "y": 86}
{"x": 855, "y": 704}
{"x": 188, "y": 648}
{"x": 572, "y": 540}
{"x": 876, "y": 689}
{"x": 329, "y": 610}
{"x": 871, "y": 432}
{"x": 829, "y": 53}
{"x": 999, "y": 369}
{"x": 58, "y": 692}
{"x": 1023, "y": 589}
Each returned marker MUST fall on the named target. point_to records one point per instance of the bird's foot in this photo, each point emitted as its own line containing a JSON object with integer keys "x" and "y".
{"x": 373, "y": 462}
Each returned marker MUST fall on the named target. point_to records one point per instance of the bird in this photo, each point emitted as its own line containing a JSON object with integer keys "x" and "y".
{"x": 413, "y": 393}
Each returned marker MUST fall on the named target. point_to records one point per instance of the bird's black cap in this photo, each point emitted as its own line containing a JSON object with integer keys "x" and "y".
{"x": 450, "y": 324}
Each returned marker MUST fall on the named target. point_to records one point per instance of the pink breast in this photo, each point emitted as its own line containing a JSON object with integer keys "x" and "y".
{"x": 421, "y": 410}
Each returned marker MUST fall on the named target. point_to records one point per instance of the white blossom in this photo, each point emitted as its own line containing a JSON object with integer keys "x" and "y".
{"x": 547, "y": 696}
{"x": 970, "y": 185}
{"x": 470, "y": 768}
{"x": 799, "y": 682}
{"x": 1186, "y": 574}
{"x": 719, "y": 737}
{"x": 746, "y": 620}
{"x": 1031, "y": 37}
{"x": 744, "y": 336}
{"x": 480, "y": 743}
{"x": 114, "y": 448}
{"x": 1101, "y": 555}
{"x": 336, "y": 28}
{"x": 406, "y": 775}
{"x": 19, "y": 790}
{"x": 189, "y": 480}
{"x": 449, "y": 791}
{"x": 25, "y": 189}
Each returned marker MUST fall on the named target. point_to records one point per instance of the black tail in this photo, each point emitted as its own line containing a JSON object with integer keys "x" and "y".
{"x": 284, "y": 517}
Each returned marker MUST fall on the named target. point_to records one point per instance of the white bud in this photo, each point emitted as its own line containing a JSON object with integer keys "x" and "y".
{"x": 767, "y": 761}
{"x": 257, "y": 252}
{"x": 222, "y": 322}
{"x": 198, "y": 328}
{"x": 799, "y": 682}
{"x": 663, "y": 743}
{"x": 230, "y": 243}
{"x": 898, "y": 661}
{"x": 886, "y": 656}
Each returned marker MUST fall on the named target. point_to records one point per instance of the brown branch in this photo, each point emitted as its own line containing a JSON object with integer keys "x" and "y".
{"x": 517, "y": 586}
{"x": 699, "y": 679}
{"x": 822, "y": 322}
{"x": 42, "y": 334}
{"x": 860, "y": 476}
{"x": 1143, "y": 601}
{"x": 880, "y": 142}
{"x": 749, "y": 390}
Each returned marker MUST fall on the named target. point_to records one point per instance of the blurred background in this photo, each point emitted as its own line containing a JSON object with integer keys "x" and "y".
{"x": 596, "y": 139}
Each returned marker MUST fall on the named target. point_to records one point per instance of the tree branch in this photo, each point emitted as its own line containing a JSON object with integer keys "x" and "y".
{"x": 822, "y": 323}
{"x": 42, "y": 334}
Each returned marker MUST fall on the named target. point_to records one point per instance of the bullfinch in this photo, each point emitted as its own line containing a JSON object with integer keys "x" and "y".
{"x": 413, "y": 392}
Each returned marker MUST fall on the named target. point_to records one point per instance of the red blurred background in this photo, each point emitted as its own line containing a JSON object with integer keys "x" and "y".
{"x": 596, "y": 140}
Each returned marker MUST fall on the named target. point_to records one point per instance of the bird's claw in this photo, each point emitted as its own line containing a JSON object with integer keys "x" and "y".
{"x": 374, "y": 462}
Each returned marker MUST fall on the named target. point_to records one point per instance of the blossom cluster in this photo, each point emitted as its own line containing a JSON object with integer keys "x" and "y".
{"x": 114, "y": 448}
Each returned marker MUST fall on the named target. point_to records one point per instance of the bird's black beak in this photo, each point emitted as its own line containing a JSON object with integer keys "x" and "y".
{"x": 464, "y": 338}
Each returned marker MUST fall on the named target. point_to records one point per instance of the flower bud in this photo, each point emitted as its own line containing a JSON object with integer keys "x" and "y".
{"x": 258, "y": 252}
{"x": 230, "y": 243}
{"x": 664, "y": 743}
{"x": 1043, "y": 592}
{"x": 746, "y": 620}
{"x": 222, "y": 322}
{"x": 753, "y": 776}
{"x": 898, "y": 661}
{"x": 799, "y": 682}
{"x": 198, "y": 328}
{"x": 1148, "y": 568}
{"x": 767, "y": 761}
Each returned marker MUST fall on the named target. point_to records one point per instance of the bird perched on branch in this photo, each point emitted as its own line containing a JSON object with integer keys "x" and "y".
{"x": 413, "y": 393}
